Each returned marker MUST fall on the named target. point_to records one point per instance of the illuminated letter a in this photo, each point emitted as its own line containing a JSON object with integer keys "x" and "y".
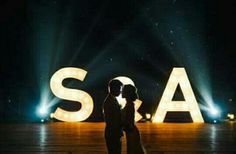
{"x": 178, "y": 76}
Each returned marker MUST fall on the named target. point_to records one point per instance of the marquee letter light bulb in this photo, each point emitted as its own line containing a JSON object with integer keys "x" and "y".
{"x": 71, "y": 94}
{"x": 178, "y": 76}
{"x": 125, "y": 81}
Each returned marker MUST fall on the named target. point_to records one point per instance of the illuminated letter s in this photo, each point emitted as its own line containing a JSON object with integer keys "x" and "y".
{"x": 71, "y": 94}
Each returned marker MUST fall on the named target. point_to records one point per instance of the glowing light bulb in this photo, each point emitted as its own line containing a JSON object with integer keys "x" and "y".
{"x": 231, "y": 116}
{"x": 148, "y": 116}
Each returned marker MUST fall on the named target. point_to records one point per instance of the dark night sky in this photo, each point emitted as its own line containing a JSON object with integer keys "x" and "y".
{"x": 140, "y": 39}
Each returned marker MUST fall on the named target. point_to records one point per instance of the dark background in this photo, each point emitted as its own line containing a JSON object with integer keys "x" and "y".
{"x": 141, "y": 39}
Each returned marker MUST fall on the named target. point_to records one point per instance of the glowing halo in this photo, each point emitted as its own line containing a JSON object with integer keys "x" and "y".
{"x": 125, "y": 81}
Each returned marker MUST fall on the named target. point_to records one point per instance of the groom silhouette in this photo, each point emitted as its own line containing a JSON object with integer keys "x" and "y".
{"x": 112, "y": 115}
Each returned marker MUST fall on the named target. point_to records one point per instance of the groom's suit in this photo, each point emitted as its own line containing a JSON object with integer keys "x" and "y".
{"x": 113, "y": 130}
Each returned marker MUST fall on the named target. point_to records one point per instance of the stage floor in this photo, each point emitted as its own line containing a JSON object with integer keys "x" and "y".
{"x": 87, "y": 138}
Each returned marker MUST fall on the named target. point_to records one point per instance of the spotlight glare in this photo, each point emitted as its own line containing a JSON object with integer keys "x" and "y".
{"x": 214, "y": 111}
{"x": 42, "y": 111}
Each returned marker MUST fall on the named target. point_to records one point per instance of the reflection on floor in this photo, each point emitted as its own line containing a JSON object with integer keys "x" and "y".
{"x": 87, "y": 138}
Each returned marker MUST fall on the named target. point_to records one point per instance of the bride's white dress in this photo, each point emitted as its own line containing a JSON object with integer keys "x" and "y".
{"x": 134, "y": 145}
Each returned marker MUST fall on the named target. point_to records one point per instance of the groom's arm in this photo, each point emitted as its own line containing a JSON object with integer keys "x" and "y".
{"x": 108, "y": 112}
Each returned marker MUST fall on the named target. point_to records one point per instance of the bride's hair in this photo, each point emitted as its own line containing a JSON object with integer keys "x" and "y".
{"x": 130, "y": 92}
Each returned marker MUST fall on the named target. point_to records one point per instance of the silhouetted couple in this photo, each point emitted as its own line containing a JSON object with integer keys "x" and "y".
{"x": 118, "y": 120}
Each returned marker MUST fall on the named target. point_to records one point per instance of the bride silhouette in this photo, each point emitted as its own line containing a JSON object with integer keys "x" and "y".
{"x": 134, "y": 145}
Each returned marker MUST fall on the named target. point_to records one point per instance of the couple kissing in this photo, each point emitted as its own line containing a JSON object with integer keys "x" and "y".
{"x": 121, "y": 120}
